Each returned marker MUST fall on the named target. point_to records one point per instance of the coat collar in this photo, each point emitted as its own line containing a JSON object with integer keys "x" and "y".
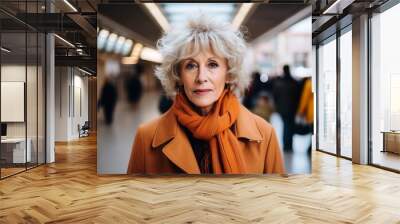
{"x": 246, "y": 126}
{"x": 176, "y": 145}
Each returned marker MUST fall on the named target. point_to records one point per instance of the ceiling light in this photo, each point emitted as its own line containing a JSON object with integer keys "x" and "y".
{"x": 150, "y": 54}
{"x": 70, "y": 5}
{"x": 189, "y": 8}
{"x": 84, "y": 71}
{"x": 102, "y": 38}
{"x": 5, "y": 50}
{"x": 158, "y": 15}
{"x": 127, "y": 47}
{"x": 119, "y": 45}
{"x": 79, "y": 51}
{"x": 241, "y": 14}
{"x": 337, "y": 7}
{"x": 134, "y": 58}
{"x": 65, "y": 41}
{"x": 111, "y": 41}
{"x": 136, "y": 50}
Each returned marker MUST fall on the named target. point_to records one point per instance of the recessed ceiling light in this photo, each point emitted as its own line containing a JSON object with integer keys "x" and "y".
{"x": 5, "y": 50}
{"x": 70, "y": 5}
{"x": 65, "y": 41}
{"x": 84, "y": 71}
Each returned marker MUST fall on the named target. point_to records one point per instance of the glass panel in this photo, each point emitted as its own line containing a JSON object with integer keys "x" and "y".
{"x": 13, "y": 87}
{"x": 327, "y": 97}
{"x": 41, "y": 98}
{"x": 346, "y": 94}
{"x": 31, "y": 98}
{"x": 23, "y": 88}
{"x": 385, "y": 86}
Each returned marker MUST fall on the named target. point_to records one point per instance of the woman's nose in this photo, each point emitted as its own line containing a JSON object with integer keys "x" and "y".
{"x": 202, "y": 75}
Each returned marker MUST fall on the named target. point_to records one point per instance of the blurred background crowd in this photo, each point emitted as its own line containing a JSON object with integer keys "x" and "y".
{"x": 129, "y": 94}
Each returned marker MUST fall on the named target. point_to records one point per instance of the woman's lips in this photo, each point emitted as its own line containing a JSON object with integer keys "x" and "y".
{"x": 201, "y": 92}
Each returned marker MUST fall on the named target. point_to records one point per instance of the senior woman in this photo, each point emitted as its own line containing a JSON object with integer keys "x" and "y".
{"x": 206, "y": 130}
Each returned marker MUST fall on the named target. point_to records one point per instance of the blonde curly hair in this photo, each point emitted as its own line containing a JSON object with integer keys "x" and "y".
{"x": 203, "y": 33}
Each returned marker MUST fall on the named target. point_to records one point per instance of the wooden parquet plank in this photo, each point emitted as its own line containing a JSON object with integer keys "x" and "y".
{"x": 70, "y": 191}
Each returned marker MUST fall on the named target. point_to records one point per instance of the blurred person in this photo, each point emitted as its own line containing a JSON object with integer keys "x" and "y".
{"x": 108, "y": 100}
{"x": 133, "y": 85}
{"x": 305, "y": 112}
{"x": 286, "y": 91}
{"x": 206, "y": 130}
{"x": 253, "y": 92}
{"x": 164, "y": 104}
{"x": 264, "y": 106}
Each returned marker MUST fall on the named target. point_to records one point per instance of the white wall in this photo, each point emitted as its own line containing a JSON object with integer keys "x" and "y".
{"x": 12, "y": 73}
{"x": 70, "y": 83}
{"x": 33, "y": 126}
{"x": 62, "y": 80}
{"x": 80, "y": 96}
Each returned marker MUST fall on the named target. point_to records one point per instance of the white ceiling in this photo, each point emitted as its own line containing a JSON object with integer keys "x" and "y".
{"x": 176, "y": 13}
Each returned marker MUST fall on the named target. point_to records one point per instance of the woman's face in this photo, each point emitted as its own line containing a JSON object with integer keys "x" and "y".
{"x": 203, "y": 77}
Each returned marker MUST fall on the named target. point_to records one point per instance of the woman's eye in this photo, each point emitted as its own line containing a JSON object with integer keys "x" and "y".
{"x": 190, "y": 66}
{"x": 213, "y": 65}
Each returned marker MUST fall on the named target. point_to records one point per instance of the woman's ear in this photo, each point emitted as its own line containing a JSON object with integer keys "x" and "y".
{"x": 228, "y": 79}
{"x": 179, "y": 86}
{"x": 176, "y": 69}
{"x": 229, "y": 82}
{"x": 228, "y": 85}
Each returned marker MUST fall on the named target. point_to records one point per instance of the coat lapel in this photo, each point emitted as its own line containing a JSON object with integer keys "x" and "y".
{"x": 246, "y": 126}
{"x": 180, "y": 152}
{"x": 176, "y": 146}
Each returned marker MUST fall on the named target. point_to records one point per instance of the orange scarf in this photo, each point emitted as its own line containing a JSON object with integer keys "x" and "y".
{"x": 215, "y": 128}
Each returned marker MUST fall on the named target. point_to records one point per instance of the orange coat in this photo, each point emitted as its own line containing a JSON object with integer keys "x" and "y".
{"x": 162, "y": 147}
{"x": 306, "y": 107}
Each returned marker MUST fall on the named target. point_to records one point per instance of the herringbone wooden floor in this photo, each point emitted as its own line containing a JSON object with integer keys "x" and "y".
{"x": 70, "y": 191}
